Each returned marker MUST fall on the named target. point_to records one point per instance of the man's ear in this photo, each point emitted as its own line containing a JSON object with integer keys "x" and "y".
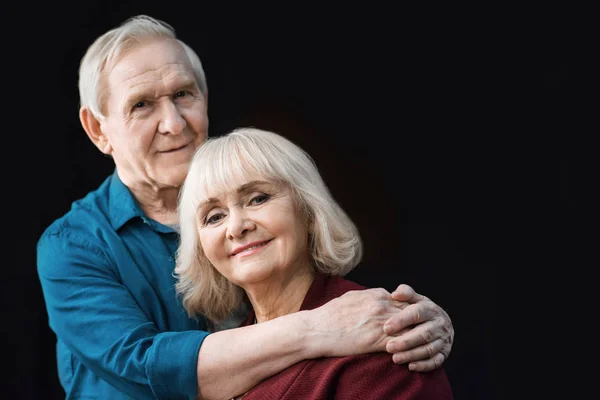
{"x": 92, "y": 127}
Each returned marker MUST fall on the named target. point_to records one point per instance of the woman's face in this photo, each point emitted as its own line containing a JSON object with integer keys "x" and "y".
{"x": 254, "y": 233}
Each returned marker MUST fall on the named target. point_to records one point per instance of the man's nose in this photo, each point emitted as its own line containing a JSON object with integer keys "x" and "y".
{"x": 171, "y": 119}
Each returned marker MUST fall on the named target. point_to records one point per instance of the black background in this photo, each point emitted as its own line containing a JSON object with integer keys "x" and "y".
{"x": 439, "y": 130}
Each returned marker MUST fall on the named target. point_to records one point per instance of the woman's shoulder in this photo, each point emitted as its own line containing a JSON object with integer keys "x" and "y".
{"x": 338, "y": 285}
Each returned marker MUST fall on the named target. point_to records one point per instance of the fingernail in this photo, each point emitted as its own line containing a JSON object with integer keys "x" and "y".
{"x": 387, "y": 328}
{"x": 391, "y": 347}
{"x": 398, "y": 358}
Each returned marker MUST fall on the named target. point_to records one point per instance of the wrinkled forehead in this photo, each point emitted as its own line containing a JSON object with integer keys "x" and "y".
{"x": 150, "y": 61}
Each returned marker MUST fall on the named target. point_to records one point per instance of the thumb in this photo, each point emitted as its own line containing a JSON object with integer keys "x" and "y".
{"x": 406, "y": 293}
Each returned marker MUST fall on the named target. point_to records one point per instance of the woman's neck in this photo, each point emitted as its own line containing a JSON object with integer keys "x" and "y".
{"x": 280, "y": 296}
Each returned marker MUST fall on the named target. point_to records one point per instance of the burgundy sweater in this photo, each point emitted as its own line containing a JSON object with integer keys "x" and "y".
{"x": 361, "y": 377}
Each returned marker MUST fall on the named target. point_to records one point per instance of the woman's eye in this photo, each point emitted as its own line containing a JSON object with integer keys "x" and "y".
{"x": 214, "y": 218}
{"x": 261, "y": 198}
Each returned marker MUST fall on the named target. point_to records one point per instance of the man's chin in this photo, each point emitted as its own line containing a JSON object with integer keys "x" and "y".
{"x": 174, "y": 178}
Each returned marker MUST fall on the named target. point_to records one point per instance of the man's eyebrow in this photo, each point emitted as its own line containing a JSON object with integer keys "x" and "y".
{"x": 243, "y": 188}
{"x": 137, "y": 95}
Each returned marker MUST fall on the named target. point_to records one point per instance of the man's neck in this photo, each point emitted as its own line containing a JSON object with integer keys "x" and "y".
{"x": 159, "y": 204}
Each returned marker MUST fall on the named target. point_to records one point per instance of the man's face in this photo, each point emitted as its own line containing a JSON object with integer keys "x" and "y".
{"x": 156, "y": 114}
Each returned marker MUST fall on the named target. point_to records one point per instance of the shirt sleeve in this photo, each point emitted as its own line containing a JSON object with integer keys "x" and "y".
{"x": 95, "y": 316}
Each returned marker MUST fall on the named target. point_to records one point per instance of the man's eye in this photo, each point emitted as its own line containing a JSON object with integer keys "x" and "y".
{"x": 181, "y": 93}
{"x": 139, "y": 104}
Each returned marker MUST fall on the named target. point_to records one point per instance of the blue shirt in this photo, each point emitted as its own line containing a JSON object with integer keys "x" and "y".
{"x": 106, "y": 271}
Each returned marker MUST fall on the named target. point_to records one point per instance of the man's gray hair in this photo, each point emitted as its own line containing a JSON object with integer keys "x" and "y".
{"x": 109, "y": 47}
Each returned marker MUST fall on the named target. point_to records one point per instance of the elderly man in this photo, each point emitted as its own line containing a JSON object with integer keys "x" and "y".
{"x": 106, "y": 267}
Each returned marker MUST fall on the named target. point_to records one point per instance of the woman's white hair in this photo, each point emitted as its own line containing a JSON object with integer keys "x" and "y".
{"x": 334, "y": 243}
{"x": 108, "y": 49}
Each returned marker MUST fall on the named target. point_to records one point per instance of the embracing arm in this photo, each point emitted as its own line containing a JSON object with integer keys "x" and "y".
{"x": 95, "y": 316}
{"x": 233, "y": 361}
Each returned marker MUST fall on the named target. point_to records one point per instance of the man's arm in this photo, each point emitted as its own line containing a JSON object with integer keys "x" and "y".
{"x": 96, "y": 317}
{"x": 233, "y": 361}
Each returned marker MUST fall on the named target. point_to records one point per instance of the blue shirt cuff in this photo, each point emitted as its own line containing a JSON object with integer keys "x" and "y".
{"x": 172, "y": 364}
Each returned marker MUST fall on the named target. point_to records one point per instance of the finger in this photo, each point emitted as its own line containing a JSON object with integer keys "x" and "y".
{"x": 422, "y": 334}
{"x": 401, "y": 305}
{"x": 427, "y": 365}
{"x": 412, "y": 315}
{"x": 420, "y": 353}
{"x": 406, "y": 293}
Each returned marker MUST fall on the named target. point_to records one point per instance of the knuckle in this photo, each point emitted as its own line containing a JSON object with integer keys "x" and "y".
{"x": 448, "y": 337}
{"x": 432, "y": 307}
{"x": 377, "y": 309}
{"x": 445, "y": 351}
{"x": 405, "y": 344}
{"x": 400, "y": 304}
{"x": 440, "y": 344}
{"x": 426, "y": 335}
{"x": 443, "y": 335}
{"x": 374, "y": 294}
{"x": 416, "y": 317}
{"x": 447, "y": 328}
{"x": 430, "y": 351}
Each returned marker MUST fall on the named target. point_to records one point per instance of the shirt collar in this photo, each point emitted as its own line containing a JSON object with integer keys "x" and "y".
{"x": 122, "y": 205}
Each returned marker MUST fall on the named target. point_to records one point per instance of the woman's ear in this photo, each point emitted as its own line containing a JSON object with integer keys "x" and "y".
{"x": 93, "y": 128}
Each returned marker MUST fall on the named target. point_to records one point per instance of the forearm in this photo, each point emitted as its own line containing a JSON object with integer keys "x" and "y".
{"x": 231, "y": 362}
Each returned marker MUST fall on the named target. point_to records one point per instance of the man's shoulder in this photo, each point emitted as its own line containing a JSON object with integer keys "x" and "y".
{"x": 86, "y": 214}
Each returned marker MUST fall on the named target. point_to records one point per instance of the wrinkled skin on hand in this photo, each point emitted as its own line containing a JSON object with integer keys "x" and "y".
{"x": 423, "y": 332}
{"x": 353, "y": 323}
{"x": 406, "y": 324}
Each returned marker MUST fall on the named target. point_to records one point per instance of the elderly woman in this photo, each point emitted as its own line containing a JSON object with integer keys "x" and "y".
{"x": 260, "y": 227}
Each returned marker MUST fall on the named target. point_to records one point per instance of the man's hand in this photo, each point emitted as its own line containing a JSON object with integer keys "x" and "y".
{"x": 423, "y": 332}
{"x": 351, "y": 324}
